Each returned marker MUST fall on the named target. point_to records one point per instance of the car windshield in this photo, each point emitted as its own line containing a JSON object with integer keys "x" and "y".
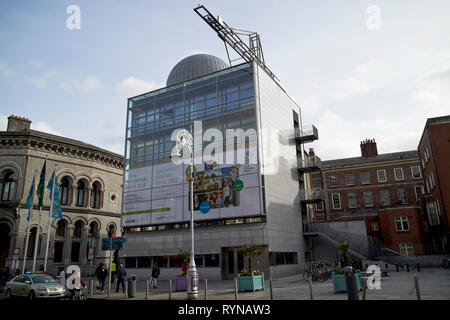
{"x": 43, "y": 279}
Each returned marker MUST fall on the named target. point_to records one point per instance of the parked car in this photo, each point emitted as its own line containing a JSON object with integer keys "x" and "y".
{"x": 34, "y": 286}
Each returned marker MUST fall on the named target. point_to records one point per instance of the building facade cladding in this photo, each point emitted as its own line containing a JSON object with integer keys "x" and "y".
{"x": 89, "y": 179}
{"x": 227, "y": 99}
{"x": 434, "y": 152}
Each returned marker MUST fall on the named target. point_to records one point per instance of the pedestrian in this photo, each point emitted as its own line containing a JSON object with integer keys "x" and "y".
{"x": 77, "y": 285}
{"x": 155, "y": 275}
{"x": 121, "y": 273}
{"x": 113, "y": 271}
{"x": 61, "y": 276}
{"x": 101, "y": 274}
{"x": 2, "y": 279}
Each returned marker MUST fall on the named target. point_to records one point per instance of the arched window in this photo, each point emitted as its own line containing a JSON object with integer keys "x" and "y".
{"x": 93, "y": 229}
{"x": 95, "y": 195}
{"x": 61, "y": 228}
{"x": 78, "y": 229}
{"x": 112, "y": 230}
{"x": 80, "y": 193}
{"x": 31, "y": 242}
{"x": 9, "y": 186}
{"x": 64, "y": 191}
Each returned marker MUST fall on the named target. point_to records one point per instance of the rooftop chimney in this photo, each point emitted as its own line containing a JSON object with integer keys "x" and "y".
{"x": 17, "y": 124}
{"x": 368, "y": 148}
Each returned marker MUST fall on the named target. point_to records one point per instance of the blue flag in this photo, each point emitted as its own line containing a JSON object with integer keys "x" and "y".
{"x": 30, "y": 199}
{"x": 56, "y": 211}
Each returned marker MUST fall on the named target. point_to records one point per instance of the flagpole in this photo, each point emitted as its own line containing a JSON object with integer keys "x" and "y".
{"x": 28, "y": 224}
{"x": 39, "y": 224}
{"x": 50, "y": 219}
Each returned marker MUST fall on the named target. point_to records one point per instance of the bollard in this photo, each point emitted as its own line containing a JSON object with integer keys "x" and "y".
{"x": 350, "y": 280}
{"x": 311, "y": 296}
{"x": 364, "y": 289}
{"x": 407, "y": 267}
{"x": 92, "y": 288}
{"x": 271, "y": 291}
{"x": 206, "y": 289}
{"x": 126, "y": 291}
{"x": 416, "y": 284}
{"x": 235, "y": 289}
{"x": 396, "y": 267}
{"x": 418, "y": 267}
{"x": 170, "y": 289}
{"x": 147, "y": 285}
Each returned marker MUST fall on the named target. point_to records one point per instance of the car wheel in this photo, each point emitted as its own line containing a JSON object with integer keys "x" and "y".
{"x": 31, "y": 295}
{"x": 8, "y": 294}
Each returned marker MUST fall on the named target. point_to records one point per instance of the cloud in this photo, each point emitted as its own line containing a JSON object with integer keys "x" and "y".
{"x": 340, "y": 137}
{"x": 86, "y": 85}
{"x": 350, "y": 87}
{"x": 131, "y": 87}
{"x": 433, "y": 90}
{"x": 44, "y": 127}
{"x": 41, "y": 82}
{"x": 3, "y": 122}
{"x": 13, "y": 76}
{"x": 366, "y": 67}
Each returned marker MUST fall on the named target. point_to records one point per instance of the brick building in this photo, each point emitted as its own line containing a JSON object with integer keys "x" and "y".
{"x": 434, "y": 151}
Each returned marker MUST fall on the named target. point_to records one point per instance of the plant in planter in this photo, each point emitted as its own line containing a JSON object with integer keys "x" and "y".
{"x": 181, "y": 279}
{"x": 250, "y": 280}
{"x": 339, "y": 283}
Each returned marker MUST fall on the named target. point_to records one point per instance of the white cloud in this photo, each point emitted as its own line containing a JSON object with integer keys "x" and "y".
{"x": 366, "y": 67}
{"x": 349, "y": 87}
{"x": 3, "y": 122}
{"x": 44, "y": 127}
{"x": 86, "y": 85}
{"x": 41, "y": 82}
{"x": 434, "y": 90}
{"x": 131, "y": 87}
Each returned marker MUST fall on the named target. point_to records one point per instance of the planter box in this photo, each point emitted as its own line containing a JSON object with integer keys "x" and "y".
{"x": 340, "y": 285}
{"x": 181, "y": 283}
{"x": 250, "y": 283}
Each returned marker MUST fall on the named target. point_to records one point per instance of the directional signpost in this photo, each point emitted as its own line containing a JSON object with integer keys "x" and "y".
{"x": 117, "y": 243}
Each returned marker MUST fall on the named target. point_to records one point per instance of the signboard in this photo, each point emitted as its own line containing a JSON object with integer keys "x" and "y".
{"x": 16, "y": 251}
{"x": 160, "y": 194}
{"x": 91, "y": 254}
{"x": 117, "y": 243}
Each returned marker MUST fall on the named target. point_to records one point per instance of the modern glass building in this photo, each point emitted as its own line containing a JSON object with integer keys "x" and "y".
{"x": 249, "y": 201}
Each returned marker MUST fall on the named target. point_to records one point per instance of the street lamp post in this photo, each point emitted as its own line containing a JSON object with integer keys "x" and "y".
{"x": 185, "y": 138}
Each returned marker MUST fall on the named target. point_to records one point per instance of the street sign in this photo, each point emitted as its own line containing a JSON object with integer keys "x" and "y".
{"x": 91, "y": 254}
{"x": 117, "y": 243}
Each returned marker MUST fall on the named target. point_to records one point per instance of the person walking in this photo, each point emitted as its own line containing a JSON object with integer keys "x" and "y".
{"x": 101, "y": 273}
{"x": 62, "y": 276}
{"x": 121, "y": 273}
{"x": 113, "y": 271}
{"x": 155, "y": 275}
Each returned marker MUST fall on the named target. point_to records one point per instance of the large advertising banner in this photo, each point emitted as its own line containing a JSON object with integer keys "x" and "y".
{"x": 160, "y": 194}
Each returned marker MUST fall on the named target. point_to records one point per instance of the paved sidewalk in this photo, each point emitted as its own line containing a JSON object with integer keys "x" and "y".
{"x": 434, "y": 284}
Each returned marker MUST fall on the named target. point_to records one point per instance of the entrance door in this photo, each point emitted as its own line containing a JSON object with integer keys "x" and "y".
{"x": 232, "y": 263}
{"x": 5, "y": 240}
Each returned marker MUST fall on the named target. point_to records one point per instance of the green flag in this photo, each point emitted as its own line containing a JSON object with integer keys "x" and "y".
{"x": 41, "y": 186}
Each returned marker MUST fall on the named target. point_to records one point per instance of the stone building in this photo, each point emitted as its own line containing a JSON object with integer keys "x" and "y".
{"x": 90, "y": 181}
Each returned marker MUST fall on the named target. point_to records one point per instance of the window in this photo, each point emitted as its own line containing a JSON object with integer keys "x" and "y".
{"x": 406, "y": 249}
{"x": 374, "y": 226}
{"x": 333, "y": 181}
{"x": 401, "y": 224}
{"x": 433, "y": 183}
{"x": 93, "y": 229}
{"x": 401, "y": 196}
{"x": 381, "y": 175}
{"x": 319, "y": 206}
{"x": 280, "y": 258}
{"x": 144, "y": 262}
{"x": 419, "y": 191}
{"x": 415, "y": 172}
{"x": 61, "y": 228}
{"x": 95, "y": 195}
{"x": 9, "y": 186}
{"x": 428, "y": 186}
{"x": 427, "y": 154}
{"x": 385, "y": 198}
{"x": 80, "y": 193}
{"x": 423, "y": 163}
{"x": 336, "y": 200}
{"x": 365, "y": 178}
{"x": 212, "y": 260}
{"x": 316, "y": 182}
{"x": 78, "y": 229}
{"x": 351, "y": 197}
{"x": 368, "y": 198}
{"x": 349, "y": 179}
{"x": 64, "y": 191}
{"x": 433, "y": 217}
{"x": 398, "y": 173}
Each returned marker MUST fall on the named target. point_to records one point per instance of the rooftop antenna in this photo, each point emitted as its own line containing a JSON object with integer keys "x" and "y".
{"x": 251, "y": 52}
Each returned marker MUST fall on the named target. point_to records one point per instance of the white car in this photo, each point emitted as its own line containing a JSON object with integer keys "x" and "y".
{"x": 34, "y": 286}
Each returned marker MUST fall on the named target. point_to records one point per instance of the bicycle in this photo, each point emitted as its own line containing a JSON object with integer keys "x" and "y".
{"x": 78, "y": 295}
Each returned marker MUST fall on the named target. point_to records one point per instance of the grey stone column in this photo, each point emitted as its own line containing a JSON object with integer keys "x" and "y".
{"x": 67, "y": 258}
{"x": 87, "y": 200}
{"x": 84, "y": 245}
{"x": 72, "y": 199}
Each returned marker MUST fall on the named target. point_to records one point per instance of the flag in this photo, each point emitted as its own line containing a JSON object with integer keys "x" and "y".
{"x": 30, "y": 199}
{"x": 55, "y": 211}
{"x": 41, "y": 186}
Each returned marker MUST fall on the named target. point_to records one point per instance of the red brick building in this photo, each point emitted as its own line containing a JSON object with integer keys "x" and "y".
{"x": 434, "y": 151}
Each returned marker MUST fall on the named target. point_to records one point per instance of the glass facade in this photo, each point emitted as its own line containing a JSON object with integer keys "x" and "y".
{"x": 221, "y": 100}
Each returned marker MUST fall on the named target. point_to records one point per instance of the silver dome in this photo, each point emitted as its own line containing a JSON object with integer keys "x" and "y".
{"x": 194, "y": 66}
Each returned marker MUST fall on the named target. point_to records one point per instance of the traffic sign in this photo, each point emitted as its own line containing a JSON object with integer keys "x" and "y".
{"x": 117, "y": 243}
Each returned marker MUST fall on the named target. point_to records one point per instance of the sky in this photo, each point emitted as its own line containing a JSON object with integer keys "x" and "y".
{"x": 358, "y": 69}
